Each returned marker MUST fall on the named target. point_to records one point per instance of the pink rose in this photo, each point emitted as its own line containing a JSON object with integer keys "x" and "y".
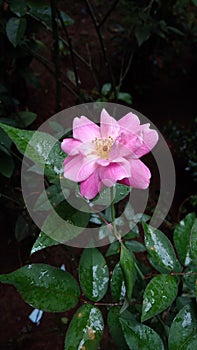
{"x": 102, "y": 156}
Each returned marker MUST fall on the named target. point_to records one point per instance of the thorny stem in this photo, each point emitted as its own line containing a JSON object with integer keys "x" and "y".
{"x": 150, "y": 275}
{"x": 54, "y": 17}
{"x": 108, "y": 13}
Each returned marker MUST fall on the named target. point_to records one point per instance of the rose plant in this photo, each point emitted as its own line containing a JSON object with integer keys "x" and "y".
{"x": 143, "y": 303}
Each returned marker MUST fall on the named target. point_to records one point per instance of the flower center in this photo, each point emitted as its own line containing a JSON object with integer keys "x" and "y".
{"x": 103, "y": 146}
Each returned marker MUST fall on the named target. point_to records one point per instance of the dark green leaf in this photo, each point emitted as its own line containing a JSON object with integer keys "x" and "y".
{"x": 114, "y": 248}
{"x": 45, "y": 287}
{"x": 43, "y": 241}
{"x": 183, "y": 331}
{"x": 142, "y": 34}
{"x": 15, "y": 29}
{"x": 115, "y": 327}
{"x": 93, "y": 274}
{"x": 18, "y": 7}
{"x": 66, "y": 19}
{"x": 40, "y": 147}
{"x": 106, "y": 89}
{"x": 85, "y": 330}
{"x": 139, "y": 336}
{"x": 182, "y": 236}
{"x": 193, "y": 242}
{"x": 135, "y": 246}
{"x": 127, "y": 265}
{"x": 6, "y": 164}
{"x": 117, "y": 283}
{"x": 160, "y": 250}
{"x": 158, "y": 295}
{"x": 125, "y": 97}
{"x": 21, "y": 228}
{"x": 54, "y": 197}
{"x": 25, "y": 118}
{"x": 194, "y": 2}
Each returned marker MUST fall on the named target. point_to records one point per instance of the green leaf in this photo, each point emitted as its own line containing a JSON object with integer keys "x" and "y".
{"x": 44, "y": 287}
{"x": 106, "y": 89}
{"x": 127, "y": 265}
{"x": 43, "y": 241}
{"x": 182, "y": 236}
{"x": 160, "y": 292}
{"x": 40, "y": 147}
{"x": 54, "y": 197}
{"x": 115, "y": 329}
{"x": 15, "y": 30}
{"x": 139, "y": 336}
{"x": 125, "y": 97}
{"x": 22, "y": 229}
{"x": 114, "y": 248}
{"x": 25, "y": 118}
{"x": 66, "y": 19}
{"x": 93, "y": 274}
{"x": 18, "y": 7}
{"x": 104, "y": 197}
{"x": 85, "y": 330}
{"x": 160, "y": 250}
{"x": 117, "y": 283}
{"x": 135, "y": 246}
{"x": 6, "y": 164}
{"x": 193, "y": 242}
{"x": 142, "y": 34}
{"x": 194, "y": 2}
{"x": 183, "y": 331}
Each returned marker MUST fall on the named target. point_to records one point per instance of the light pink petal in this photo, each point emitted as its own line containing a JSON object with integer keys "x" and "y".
{"x": 102, "y": 162}
{"x": 79, "y": 168}
{"x": 140, "y": 174}
{"x": 129, "y": 122}
{"x": 125, "y": 145}
{"x": 114, "y": 172}
{"x": 70, "y": 146}
{"x": 91, "y": 186}
{"x": 109, "y": 126}
{"x": 149, "y": 140}
{"x": 85, "y": 130}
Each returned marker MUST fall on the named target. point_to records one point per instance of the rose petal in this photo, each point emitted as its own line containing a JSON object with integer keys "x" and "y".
{"x": 114, "y": 172}
{"x": 91, "y": 186}
{"x": 85, "y": 130}
{"x": 149, "y": 139}
{"x": 140, "y": 174}
{"x": 79, "y": 168}
{"x": 109, "y": 126}
{"x": 129, "y": 122}
{"x": 70, "y": 146}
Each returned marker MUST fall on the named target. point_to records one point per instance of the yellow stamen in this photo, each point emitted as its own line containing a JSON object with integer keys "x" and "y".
{"x": 103, "y": 146}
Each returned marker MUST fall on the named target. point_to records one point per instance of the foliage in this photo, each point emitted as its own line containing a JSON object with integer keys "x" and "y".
{"x": 151, "y": 304}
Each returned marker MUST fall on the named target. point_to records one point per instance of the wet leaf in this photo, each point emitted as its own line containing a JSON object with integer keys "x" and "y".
{"x": 139, "y": 336}
{"x": 93, "y": 274}
{"x": 43, "y": 241}
{"x": 127, "y": 265}
{"x": 183, "y": 331}
{"x": 160, "y": 250}
{"x": 160, "y": 292}
{"x": 142, "y": 34}
{"x": 193, "y": 242}
{"x": 115, "y": 327}
{"x": 43, "y": 149}
{"x": 52, "y": 196}
{"x": 44, "y": 287}
{"x": 25, "y": 118}
{"x": 85, "y": 330}
{"x": 182, "y": 236}
{"x": 15, "y": 30}
{"x": 117, "y": 283}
